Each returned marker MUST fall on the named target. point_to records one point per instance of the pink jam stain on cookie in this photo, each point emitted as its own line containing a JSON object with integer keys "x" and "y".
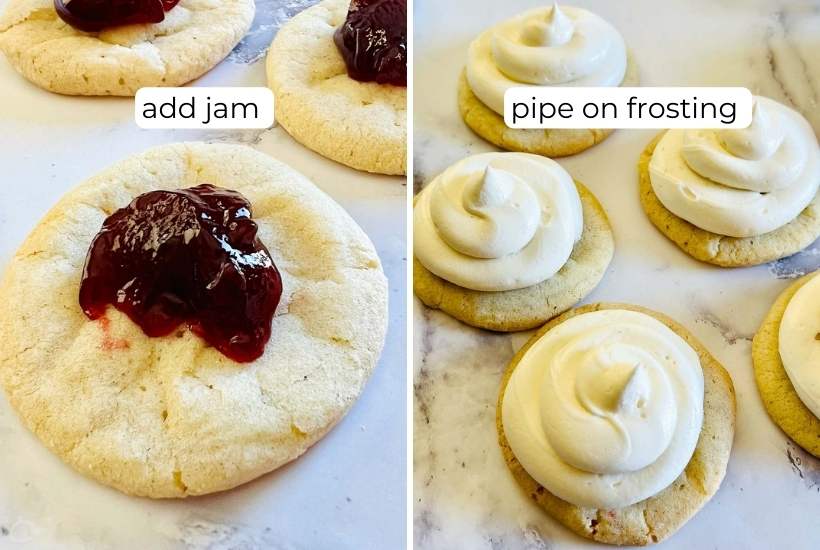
{"x": 95, "y": 15}
{"x": 109, "y": 343}
{"x": 373, "y": 41}
{"x": 186, "y": 256}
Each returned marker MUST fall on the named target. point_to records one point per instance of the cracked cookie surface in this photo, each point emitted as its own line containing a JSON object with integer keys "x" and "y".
{"x": 656, "y": 518}
{"x": 171, "y": 416}
{"x": 719, "y": 249}
{"x": 195, "y": 36}
{"x": 359, "y": 124}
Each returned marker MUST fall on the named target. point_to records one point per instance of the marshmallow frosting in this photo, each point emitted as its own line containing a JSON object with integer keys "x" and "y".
{"x": 549, "y": 46}
{"x": 497, "y": 221}
{"x": 799, "y": 343}
{"x": 739, "y": 182}
{"x": 605, "y": 409}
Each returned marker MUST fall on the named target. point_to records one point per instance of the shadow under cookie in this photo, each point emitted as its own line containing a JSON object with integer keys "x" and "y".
{"x": 526, "y": 308}
{"x": 779, "y": 397}
{"x": 656, "y": 518}
{"x": 720, "y": 249}
{"x": 547, "y": 142}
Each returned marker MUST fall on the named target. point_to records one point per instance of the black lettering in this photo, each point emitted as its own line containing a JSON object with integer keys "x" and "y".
{"x": 611, "y": 107}
{"x": 191, "y": 108}
{"x": 652, "y": 110}
{"x": 149, "y": 111}
{"x": 168, "y": 109}
{"x": 245, "y": 107}
{"x": 590, "y": 110}
{"x": 516, "y": 115}
{"x": 565, "y": 110}
{"x": 728, "y": 117}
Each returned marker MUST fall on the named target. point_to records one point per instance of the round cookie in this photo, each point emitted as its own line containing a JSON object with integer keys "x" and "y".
{"x": 171, "y": 416}
{"x": 555, "y": 142}
{"x": 719, "y": 249}
{"x": 779, "y": 396}
{"x": 195, "y": 36}
{"x": 655, "y": 518}
{"x": 360, "y": 124}
{"x": 526, "y": 308}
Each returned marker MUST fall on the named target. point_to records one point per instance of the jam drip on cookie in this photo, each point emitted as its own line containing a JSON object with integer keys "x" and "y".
{"x": 373, "y": 41}
{"x": 187, "y": 256}
{"x": 95, "y": 15}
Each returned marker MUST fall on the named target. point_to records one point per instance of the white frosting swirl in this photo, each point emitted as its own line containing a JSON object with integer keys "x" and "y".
{"x": 799, "y": 343}
{"x": 497, "y": 221}
{"x": 605, "y": 409}
{"x": 739, "y": 182}
{"x": 546, "y": 47}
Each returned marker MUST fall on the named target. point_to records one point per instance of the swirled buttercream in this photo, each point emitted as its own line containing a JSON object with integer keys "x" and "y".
{"x": 739, "y": 182}
{"x": 799, "y": 343}
{"x": 606, "y": 408}
{"x": 549, "y": 46}
{"x": 497, "y": 221}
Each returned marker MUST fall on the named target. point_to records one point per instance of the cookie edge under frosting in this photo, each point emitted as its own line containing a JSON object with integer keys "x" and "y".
{"x": 780, "y": 399}
{"x": 721, "y": 250}
{"x": 656, "y": 518}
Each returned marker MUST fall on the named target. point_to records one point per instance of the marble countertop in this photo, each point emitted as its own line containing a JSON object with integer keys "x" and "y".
{"x": 348, "y": 491}
{"x": 464, "y": 496}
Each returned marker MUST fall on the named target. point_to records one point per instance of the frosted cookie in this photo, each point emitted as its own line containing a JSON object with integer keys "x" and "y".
{"x": 339, "y": 92}
{"x": 115, "y": 48}
{"x": 189, "y": 319}
{"x": 548, "y": 46}
{"x": 736, "y": 197}
{"x": 786, "y": 353}
{"x": 616, "y": 422}
{"x": 506, "y": 241}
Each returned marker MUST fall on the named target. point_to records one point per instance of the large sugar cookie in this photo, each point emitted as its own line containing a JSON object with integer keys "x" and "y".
{"x": 195, "y": 36}
{"x": 170, "y": 416}
{"x": 658, "y": 517}
{"x": 779, "y": 396}
{"x": 719, "y": 249}
{"x": 532, "y": 306}
{"x": 549, "y": 142}
{"x": 360, "y": 124}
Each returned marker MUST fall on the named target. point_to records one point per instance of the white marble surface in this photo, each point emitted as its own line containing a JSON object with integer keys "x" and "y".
{"x": 347, "y": 492}
{"x": 464, "y": 497}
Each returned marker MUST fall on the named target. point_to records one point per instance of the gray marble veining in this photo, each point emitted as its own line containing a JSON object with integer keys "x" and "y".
{"x": 347, "y": 491}
{"x": 464, "y": 496}
{"x": 270, "y": 16}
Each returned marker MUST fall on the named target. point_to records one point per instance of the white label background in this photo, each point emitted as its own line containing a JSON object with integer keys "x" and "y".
{"x": 620, "y": 96}
{"x": 259, "y": 96}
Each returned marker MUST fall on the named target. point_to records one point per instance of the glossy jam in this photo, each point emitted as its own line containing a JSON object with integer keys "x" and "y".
{"x": 373, "y": 41}
{"x": 95, "y": 15}
{"x": 187, "y": 256}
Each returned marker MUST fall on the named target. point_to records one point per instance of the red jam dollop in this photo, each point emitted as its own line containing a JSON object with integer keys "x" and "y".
{"x": 95, "y": 15}
{"x": 187, "y": 256}
{"x": 373, "y": 41}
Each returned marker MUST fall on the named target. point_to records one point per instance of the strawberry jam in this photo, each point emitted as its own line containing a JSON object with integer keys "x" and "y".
{"x": 373, "y": 41}
{"x": 95, "y": 15}
{"x": 187, "y": 256}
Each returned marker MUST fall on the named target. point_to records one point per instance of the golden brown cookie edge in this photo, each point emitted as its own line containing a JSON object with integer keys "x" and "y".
{"x": 722, "y": 250}
{"x": 779, "y": 397}
{"x": 480, "y": 309}
{"x": 490, "y": 126}
{"x": 674, "y": 506}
